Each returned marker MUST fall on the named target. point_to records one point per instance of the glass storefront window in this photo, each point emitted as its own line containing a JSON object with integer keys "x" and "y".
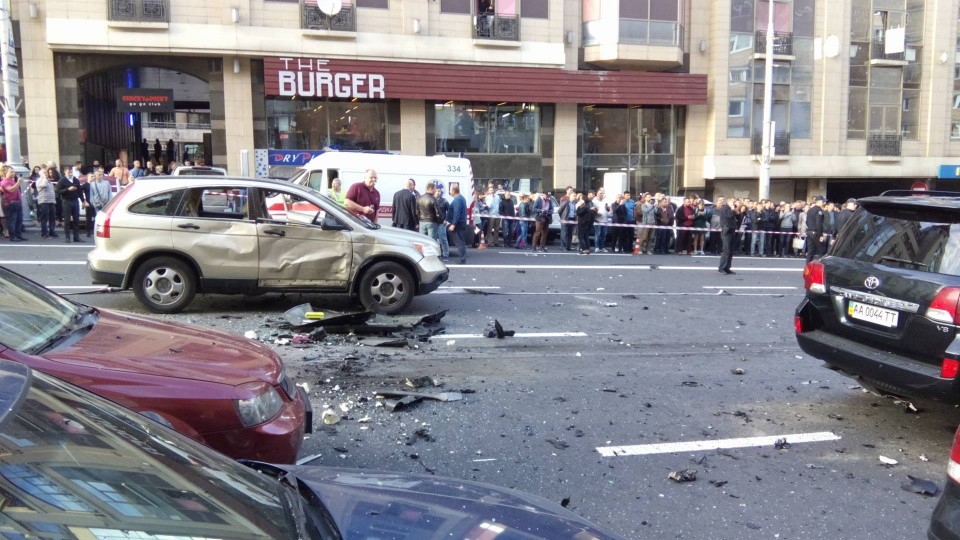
{"x": 487, "y": 128}
{"x": 638, "y": 141}
{"x": 315, "y": 124}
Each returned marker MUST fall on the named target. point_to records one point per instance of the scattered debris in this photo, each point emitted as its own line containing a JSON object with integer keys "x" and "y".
{"x": 719, "y": 483}
{"x": 521, "y": 271}
{"x": 923, "y": 457}
{"x": 781, "y": 444}
{"x": 609, "y": 304}
{"x": 498, "y": 332}
{"x": 422, "y": 434}
{"x": 301, "y": 339}
{"x": 629, "y": 296}
{"x": 558, "y": 444}
{"x": 451, "y": 342}
{"x": 420, "y": 382}
{"x": 921, "y": 486}
{"x": 565, "y": 502}
{"x": 579, "y": 355}
{"x": 364, "y": 420}
{"x": 887, "y": 461}
{"x": 691, "y": 384}
{"x": 330, "y": 418}
{"x": 737, "y": 371}
{"x": 686, "y": 475}
{"x": 835, "y": 416}
{"x": 250, "y": 334}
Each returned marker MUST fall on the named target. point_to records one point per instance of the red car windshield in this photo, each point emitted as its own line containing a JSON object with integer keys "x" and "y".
{"x": 30, "y": 315}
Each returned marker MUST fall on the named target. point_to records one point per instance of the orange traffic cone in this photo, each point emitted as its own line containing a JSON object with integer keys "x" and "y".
{"x": 483, "y": 242}
{"x": 636, "y": 245}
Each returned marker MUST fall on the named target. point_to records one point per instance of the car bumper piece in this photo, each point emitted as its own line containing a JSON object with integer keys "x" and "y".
{"x": 434, "y": 284}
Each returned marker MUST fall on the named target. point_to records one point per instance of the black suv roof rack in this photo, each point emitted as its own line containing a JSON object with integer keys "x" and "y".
{"x": 919, "y": 192}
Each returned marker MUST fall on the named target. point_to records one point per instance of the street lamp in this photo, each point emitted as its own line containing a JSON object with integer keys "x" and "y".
{"x": 766, "y": 152}
{"x": 11, "y": 88}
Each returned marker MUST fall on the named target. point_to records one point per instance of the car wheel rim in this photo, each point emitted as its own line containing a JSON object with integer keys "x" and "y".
{"x": 163, "y": 285}
{"x": 387, "y": 289}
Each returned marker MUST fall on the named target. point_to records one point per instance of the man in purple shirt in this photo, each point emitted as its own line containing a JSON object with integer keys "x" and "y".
{"x": 363, "y": 199}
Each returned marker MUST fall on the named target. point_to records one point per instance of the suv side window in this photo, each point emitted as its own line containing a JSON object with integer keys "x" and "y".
{"x": 161, "y": 204}
{"x": 293, "y": 208}
{"x": 216, "y": 203}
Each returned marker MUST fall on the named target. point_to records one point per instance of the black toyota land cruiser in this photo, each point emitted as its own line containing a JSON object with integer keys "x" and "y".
{"x": 882, "y": 306}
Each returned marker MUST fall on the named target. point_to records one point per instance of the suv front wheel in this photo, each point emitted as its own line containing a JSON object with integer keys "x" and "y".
{"x": 386, "y": 287}
{"x": 164, "y": 284}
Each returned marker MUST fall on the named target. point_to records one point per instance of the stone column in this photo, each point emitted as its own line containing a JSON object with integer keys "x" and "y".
{"x": 565, "y": 147}
{"x": 413, "y": 136}
{"x": 237, "y": 114}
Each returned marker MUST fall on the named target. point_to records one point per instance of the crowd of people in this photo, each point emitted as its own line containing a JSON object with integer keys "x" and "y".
{"x": 54, "y": 197}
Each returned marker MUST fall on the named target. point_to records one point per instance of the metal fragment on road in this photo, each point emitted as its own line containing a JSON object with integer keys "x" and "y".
{"x": 921, "y": 486}
{"x": 887, "y": 461}
{"x": 685, "y": 475}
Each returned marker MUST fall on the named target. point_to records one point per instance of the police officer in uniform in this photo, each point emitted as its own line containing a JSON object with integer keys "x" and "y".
{"x": 815, "y": 227}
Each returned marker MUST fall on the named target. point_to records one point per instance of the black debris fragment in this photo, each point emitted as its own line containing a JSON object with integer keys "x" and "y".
{"x": 610, "y": 390}
{"x": 498, "y": 332}
{"x": 753, "y": 526}
{"x": 686, "y": 475}
{"x": 176, "y": 350}
{"x": 558, "y": 444}
{"x": 719, "y": 483}
{"x": 565, "y": 502}
{"x": 420, "y": 382}
{"x": 394, "y": 405}
{"x": 521, "y": 271}
{"x": 781, "y": 444}
{"x": 691, "y": 384}
{"x": 422, "y": 434}
{"x": 629, "y": 296}
{"x": 921, "y": 486}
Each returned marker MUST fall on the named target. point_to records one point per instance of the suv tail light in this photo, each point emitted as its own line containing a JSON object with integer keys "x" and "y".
{"x": 813, "y": 277}
{"x": 949, "y": 368}
{"x": 103, "y": 217}
{"x": 944, "y": 306}
{"x": 953, "y": 467}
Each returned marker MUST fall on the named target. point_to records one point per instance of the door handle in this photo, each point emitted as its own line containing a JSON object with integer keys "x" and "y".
{"x": 188, "y": 226}
{"x": 274, "y": 232}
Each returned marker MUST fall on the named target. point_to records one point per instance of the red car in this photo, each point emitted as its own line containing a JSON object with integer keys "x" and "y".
{"x": 225, "y": 391}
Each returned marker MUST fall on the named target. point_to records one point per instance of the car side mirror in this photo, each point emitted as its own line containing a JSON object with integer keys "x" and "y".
{"x": 331, "y": 223}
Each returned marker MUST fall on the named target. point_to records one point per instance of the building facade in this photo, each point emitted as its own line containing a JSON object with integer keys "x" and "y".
{"x": 539, "y": 94}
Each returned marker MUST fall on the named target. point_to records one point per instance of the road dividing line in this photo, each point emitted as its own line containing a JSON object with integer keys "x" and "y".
{"x": 45, "y": 263}
{"x": 699, "y": 446}
{"x": 614, "y": 267}
{"x": 521, "y": 335}
{"x": 727, "y": 287}
{"x": 466, "y": 287}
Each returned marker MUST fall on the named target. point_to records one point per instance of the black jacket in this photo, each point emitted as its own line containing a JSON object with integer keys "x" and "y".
{"x": 728, "y": 219}
{"x": 815, "y": 221}
{"x": 405, "y": 209}
{"x": 843, "y": 217}
{"x": 63, "y": 189}
{"x": 427, "y": 210}
{"x": 586, "y": 214}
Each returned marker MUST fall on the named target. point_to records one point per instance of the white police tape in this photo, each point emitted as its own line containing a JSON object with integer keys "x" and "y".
{"x": 647, "y": 226}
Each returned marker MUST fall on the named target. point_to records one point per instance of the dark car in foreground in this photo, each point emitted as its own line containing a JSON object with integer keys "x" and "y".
{"x": 945, "y": 521}
{"x": 882, "y": 306}
{"x": 75, "y": 466}
{"x": 223, "y": 390}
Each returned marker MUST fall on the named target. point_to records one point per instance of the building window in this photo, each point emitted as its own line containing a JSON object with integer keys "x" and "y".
{"x": 638, "y": 141}
{"x": 487, "y": 128}
{"x": 316, "y": 124}
{"x": 455, "y": 6}
{"x": 735, "y": 109}
{"x": 534, "y": 9}
{"x": 378, "y": 4}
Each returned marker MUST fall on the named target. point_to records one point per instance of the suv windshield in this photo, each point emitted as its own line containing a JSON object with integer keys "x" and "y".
{"x": 903, "y": 238}
{"x": 31, "y": 316}
{"x": 75, "y": 466}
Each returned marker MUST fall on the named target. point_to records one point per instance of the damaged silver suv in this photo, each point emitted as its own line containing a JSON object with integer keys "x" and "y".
{"x": 169, "y": 238}
{"x": 884, "y": 305}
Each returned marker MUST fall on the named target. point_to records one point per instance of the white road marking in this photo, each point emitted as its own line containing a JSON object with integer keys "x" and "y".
{"x": 699, "y": 446}
{"x": 526, "y": 335}
{"x": 45, "y": 263}
{"x": 727, "y": 287}
{"x": 465, "y": 287}
{"x": 614, "y": 267}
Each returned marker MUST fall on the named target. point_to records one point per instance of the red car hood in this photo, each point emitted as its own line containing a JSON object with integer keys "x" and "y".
{"x": 122, "y": 342}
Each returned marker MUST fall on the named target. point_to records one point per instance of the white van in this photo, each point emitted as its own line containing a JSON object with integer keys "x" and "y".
{"x": 393, "y": 170}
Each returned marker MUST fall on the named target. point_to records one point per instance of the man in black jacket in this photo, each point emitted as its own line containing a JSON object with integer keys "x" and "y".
{"x": 586, "y": 213}
{"x": 844, "y": 216}
{"x": 71, "y": 195}
{"x": 405, "y": 207}
{"x": 428, "y": 213}
{"x": 815, "y": 227}
{"x": 728, "y": 227}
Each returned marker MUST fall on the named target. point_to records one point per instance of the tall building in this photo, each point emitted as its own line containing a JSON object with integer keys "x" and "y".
{"x": 538, "y": 94}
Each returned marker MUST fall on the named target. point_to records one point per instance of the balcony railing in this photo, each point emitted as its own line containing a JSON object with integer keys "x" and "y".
{"x": 881, "y": 144}
{"x": 878, "y": 48}
{"x": 634, "y": 32}
{"x": 139, "y": 10}
{"x": 782, "y": 43}
{"x": 502, "y": 27}
{"x": 781, "y": 144}
{"x": 311, "y": 18}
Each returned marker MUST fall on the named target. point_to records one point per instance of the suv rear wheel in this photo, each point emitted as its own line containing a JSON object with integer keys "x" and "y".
{"x": 164, "y": 284}
{"x": 386, "y": 288}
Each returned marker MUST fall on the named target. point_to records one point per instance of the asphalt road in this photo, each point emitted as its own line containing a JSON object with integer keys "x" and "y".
{"x": 615, "y": 357}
